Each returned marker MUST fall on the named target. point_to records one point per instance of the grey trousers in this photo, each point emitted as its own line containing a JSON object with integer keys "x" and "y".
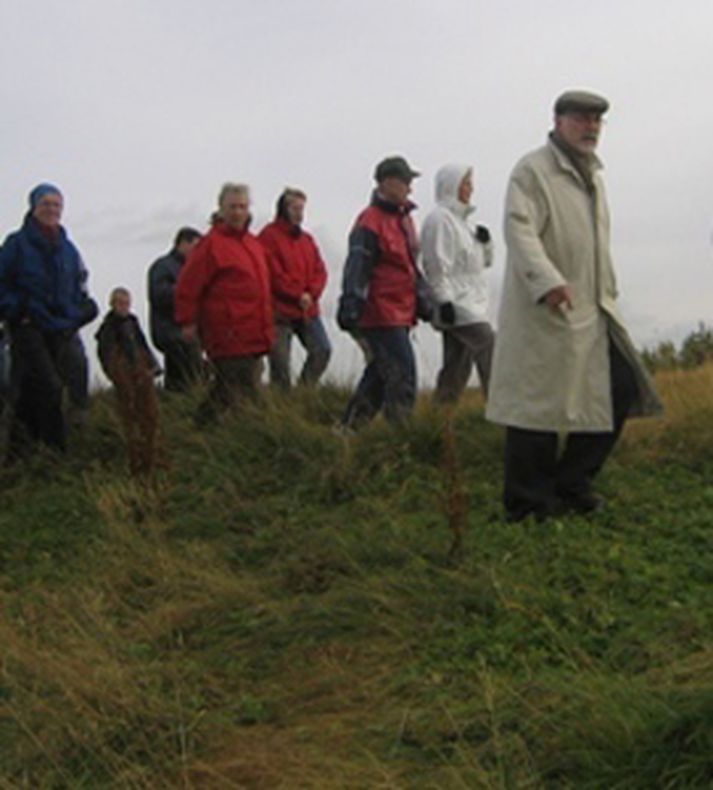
{"x": 463, "y": 347}
{"x": 313, "y": 337}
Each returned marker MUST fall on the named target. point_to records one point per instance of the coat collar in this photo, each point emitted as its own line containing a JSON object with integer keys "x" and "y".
{"x": 289, "y": 228}
{"x": 455, "y": 206}
{"x": 391, "y": 208}
{"x": 226, "y": 230}
{"x": 565, "y": 163}
{"x": 41, "y": 236}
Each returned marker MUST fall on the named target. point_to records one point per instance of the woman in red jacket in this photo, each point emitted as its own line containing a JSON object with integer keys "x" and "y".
{"x": 298, "y": 276}
{"x": 223, "y": 297}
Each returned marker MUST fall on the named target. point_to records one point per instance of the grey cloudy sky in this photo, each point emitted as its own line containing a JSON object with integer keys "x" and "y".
{"x": 140, "y": 109}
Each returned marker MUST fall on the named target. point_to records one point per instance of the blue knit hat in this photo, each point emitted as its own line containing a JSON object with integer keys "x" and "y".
{"x": 40, "y": 191}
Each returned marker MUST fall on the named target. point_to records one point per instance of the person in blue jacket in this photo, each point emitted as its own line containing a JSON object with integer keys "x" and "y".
{"x": 43, "y": 301}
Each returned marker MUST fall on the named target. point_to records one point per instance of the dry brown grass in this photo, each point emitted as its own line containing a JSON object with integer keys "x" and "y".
{"x": 105, "y": 655}
{"x": 686, "y": 426}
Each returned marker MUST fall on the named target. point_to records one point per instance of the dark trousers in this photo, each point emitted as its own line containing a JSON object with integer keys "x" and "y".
{"x": 463, "y": 347}
{"x": 236, "y": 378}
{"x": 183, "y": 365}
{"x": 74, "y": 367}
{"x": 389, "y": 380}
{"x": 37, "y": 385}
{"x": 536, "y": 479}
{"x": 314, "y": 340}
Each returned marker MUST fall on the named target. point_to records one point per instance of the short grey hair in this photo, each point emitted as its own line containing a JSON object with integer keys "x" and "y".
{"x": 230, "y": 188}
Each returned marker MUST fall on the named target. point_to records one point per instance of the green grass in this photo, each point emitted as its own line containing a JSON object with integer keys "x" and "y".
{"x": 280, "y": 608}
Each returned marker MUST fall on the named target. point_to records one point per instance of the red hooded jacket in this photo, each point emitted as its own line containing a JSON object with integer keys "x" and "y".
{"x": 224, "y": 288}
{"x": 296, "y": 267}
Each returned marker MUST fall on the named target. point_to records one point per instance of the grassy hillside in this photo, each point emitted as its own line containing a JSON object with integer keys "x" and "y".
{"x": 281, "y": 609}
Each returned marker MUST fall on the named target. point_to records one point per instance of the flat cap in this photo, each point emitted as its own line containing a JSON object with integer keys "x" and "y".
{"x": 395, "y": 167}
{"x": 580, "y": 101}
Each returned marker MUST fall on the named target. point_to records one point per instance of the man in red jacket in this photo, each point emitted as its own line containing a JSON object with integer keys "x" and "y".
{"x": 223, "y": 298}
{"x": 383, "y": 293}
{"x": 298, "y": 277}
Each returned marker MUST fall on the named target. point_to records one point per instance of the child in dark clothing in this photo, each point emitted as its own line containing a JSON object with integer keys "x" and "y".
{"x": 130, "y": 365}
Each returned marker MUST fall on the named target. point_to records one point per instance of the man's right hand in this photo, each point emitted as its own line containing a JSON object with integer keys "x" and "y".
{"x": 559, "y": 298}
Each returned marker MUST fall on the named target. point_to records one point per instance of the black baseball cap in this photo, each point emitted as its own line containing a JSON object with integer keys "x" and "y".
{"x": 395, "y": 167}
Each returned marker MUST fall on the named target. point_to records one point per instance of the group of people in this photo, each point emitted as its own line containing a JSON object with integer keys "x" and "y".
{"x": 562, "y": 375}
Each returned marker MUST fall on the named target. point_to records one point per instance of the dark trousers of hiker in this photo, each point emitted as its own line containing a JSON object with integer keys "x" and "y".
{"x": 463, "y": 347}
{"x": 236, "y": 379}
{"x": 74, "y": 368}
{"x": 183, "y": 365}
{"x": 389, "y": 380}
{"x": 37, "y": 384}
{"x": 536, "y": 480}
{"x": 313, "y": 337}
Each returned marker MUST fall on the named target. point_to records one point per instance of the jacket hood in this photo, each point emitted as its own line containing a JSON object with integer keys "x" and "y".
{"x": 448, "y": 179}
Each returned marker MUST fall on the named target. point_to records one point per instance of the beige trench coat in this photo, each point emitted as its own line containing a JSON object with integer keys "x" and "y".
{"x": 551, "y": 370}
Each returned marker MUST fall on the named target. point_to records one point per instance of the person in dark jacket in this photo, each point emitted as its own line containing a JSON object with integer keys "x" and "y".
{"x": 130, "y": 365}
{"x": 182, "y": 360}
{"x": 298, "y": 276}
{"x": 223, "y": 297}
{"x": 44, "y": 301}
{"x": 383, "y": 293}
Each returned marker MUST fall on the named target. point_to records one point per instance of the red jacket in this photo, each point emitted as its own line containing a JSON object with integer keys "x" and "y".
{"x": 381, "y": 281}
{"x": 224, "y": 288}
{"x": 296, "y": 267}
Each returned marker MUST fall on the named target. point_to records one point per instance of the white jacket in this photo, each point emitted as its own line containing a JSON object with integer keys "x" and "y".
{"x": 454, "y": 261}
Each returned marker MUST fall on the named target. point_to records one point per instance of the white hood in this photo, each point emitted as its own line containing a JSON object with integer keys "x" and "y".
{"x": 448, "y": 181}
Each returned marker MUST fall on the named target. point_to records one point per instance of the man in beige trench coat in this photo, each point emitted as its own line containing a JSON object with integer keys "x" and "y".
{"x": 565, "y": 373}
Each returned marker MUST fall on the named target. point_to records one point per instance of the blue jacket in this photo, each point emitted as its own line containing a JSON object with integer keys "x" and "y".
{"x": 43, "y": 281}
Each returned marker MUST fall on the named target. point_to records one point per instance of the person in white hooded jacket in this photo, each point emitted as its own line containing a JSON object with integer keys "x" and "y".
{"x": 455, "y": 256}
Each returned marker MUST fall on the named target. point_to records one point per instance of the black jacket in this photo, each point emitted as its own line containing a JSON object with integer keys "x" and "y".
{"x": 162, "y": 278}
{"x": 121, "y": 337}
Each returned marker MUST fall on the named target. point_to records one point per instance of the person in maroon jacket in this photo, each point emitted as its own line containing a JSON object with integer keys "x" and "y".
{"x": 298, "y": 277}
{"x": 223, "y": 297}
{"x": 383, "y": 294}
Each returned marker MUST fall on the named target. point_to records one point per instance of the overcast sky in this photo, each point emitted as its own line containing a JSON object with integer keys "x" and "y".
{"x": 140, "y": 109}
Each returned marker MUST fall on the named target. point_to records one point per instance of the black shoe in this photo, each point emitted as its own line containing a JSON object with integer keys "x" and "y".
{"x": 584, "y": 503}
{"x": 540, "y": 513}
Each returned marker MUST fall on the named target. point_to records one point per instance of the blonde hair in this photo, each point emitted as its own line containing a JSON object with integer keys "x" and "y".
{"x": 119, "y": 291}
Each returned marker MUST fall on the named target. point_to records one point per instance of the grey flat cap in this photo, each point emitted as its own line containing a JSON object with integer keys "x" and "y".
{"x": 580, "y": 101}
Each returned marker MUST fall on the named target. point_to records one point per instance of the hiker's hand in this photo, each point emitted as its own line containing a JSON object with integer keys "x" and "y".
{"x": 559, "y": 298}
{"x": 189, "y": 332}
